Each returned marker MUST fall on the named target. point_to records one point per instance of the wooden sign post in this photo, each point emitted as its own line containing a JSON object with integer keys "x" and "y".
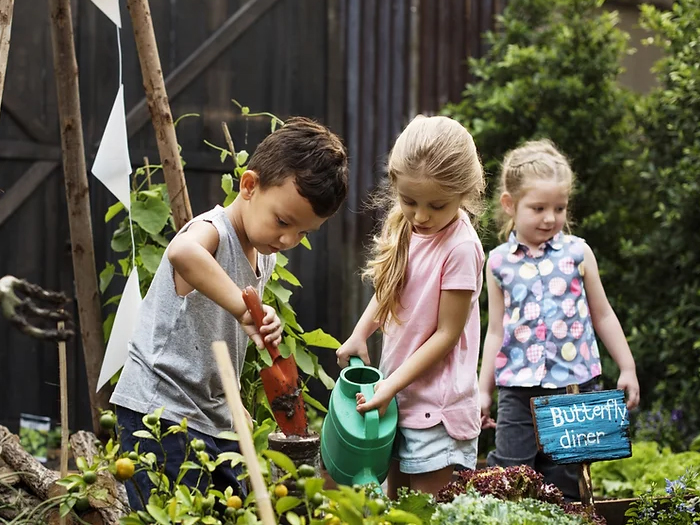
{"x": 581, "y": 428}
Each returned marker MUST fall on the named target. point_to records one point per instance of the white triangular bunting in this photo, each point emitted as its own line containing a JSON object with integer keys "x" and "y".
{"x": 111, "y": 9}
{"x": 124, "y": 323}
{"x": 112, "y": 164}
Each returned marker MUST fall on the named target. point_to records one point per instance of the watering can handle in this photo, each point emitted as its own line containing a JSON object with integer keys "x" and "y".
{"x": 356, "y": 361}
{"x": 371, "y": 417}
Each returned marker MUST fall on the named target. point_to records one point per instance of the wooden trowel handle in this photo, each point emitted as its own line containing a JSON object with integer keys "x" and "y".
{"x": 254, "y": 305}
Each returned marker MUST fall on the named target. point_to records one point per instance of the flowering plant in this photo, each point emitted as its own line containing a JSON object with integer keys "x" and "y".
{"x": 681, "y": 506}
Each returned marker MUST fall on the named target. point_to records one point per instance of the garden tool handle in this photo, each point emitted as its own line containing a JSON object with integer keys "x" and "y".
{"x": 356, "y": 361}
{"x": 371, "y": 417}
{"x": 254, "y": 305}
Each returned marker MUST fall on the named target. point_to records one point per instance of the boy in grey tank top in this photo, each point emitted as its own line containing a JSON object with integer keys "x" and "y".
{"x": 296, "y": 179}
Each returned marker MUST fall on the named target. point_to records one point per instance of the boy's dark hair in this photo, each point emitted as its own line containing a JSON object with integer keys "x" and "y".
{"x": 313, "y": 155}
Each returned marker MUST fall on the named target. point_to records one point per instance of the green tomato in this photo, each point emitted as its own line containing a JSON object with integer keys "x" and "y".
{"x": 82, "y": 504}
{"x": 107, "y": 421}
{"x": 306, "y": 471}
{"x": 199, "y": 445}
{"x": 90, "y": 476}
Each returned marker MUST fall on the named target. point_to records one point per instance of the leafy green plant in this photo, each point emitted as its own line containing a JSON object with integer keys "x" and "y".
{"x": 646, "y": 470}
{"x": 663, "y": 321}
{"x": 471, "y": 508}
{"x": 681, "y": 506}
{"x": 171, "y": 502}
{"x": 153, "y": 227}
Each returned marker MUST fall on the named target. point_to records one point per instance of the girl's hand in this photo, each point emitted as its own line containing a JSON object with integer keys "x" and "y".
{"x": 629, "y": 383}
{"x": 353, "y": 346}
{"x": 271, "y": 330}
{"x": 486, "y": 420}
{"x": 383, "y": 394}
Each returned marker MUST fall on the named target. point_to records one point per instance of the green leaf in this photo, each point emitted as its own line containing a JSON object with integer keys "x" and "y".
{"x": 279, "y": 291}
{"x": 292, "y": 518}
{"x": 281, "y": 460}
{"x": 159, "y": 239}
{"x": 113, "y": 210}
{"x": 159, "y": 514}
{"x": 121, "y": 239}
{"x": 81, "y": 463}
{"x": 349, "y": 513}
{"x": 281, "y": 260}
{"x": 320, "y": 338}
{"x": 227, "y": 183}
{"x": 159, "y": 480}
{"x": 288, "y": 276}
{"x": 305, "y": 362}
{"x": 152, "y": 214}
{"x": 401, "y": 516}
{"x": 144, "y": 434}
{"x": 327, "y": 380}
{"x": 288, "y": 316}
{"x": 315, "y": 403}
{"x": 227, "y": 434}
{"x": 305, "y": 243}
{"x": 107, "y": 325}
{"x": 241, "y": 158}
{"x": 106, "y": 276}
{"x": 286, "y": 503}
{"x": 313, "y": 485}
{"x": 234, "y": 457}
{"x": 151, "y": 257}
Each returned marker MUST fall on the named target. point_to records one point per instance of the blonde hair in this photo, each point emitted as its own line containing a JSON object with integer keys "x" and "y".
{"x": 534, "y": 160}
{"x": 436, "y": 148}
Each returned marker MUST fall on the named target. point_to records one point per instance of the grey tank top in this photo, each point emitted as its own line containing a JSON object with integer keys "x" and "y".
{"x": 170, "y": 362}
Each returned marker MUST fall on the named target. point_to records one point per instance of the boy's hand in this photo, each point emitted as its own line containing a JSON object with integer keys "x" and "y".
{"x": 486, "y": 420}
{"x": 271, "y": 329}
{"x": 629, "y": 383}
{"x": 383, "y": 395}
{"x": 353, "y": 346}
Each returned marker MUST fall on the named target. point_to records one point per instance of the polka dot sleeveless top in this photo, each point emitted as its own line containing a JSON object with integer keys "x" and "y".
{"x": 548, "y": 337}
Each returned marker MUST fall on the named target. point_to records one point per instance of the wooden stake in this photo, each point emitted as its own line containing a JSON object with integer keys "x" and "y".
{"x": 77, "y": 196}
{"x": 6, "y": 8}
{"x": 159, "y": 106}
{"x": 63, "y": 382}
{"x": 585, "y": 484}
{"x": 245, "y": 439}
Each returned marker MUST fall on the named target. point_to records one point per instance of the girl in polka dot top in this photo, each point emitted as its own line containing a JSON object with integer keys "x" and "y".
{"x": 546, "y": 305}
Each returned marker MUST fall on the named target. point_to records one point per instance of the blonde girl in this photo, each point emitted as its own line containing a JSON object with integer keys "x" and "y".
{"x": 426, "y": 269}
{"x": 546, "y": 305}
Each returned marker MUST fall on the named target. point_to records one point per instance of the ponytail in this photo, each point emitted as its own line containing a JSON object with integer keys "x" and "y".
{"x": 387, "y": 267}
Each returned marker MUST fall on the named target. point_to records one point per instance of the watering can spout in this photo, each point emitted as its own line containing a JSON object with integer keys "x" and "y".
{"x": 364, "y": 477}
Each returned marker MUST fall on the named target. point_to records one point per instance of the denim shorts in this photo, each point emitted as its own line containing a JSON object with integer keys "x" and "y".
{"x": 429, "y": 449}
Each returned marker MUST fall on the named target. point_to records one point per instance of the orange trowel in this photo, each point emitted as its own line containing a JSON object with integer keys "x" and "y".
{"x": 280, "y": 380}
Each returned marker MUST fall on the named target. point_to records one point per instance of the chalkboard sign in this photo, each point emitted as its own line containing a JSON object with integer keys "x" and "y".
{"x": 581, "y": 428}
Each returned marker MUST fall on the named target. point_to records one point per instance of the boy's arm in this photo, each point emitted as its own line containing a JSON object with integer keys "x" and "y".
{"x": 453, "y": 313}
{"x": 356, "y": 344}
{"x": 194, "y": 265}
{"x": 607, "y": 326}
{"x": 492, "y": 344}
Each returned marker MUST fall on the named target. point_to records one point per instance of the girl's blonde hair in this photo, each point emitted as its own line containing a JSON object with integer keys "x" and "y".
{"x": 534, "y": 160}
{"x": 436, "y": 148}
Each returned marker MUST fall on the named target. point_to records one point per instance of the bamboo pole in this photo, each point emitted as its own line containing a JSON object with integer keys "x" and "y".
{"x": 63, "y": 384}
{"x": 159, "y": 107}
{"x": 77, "y": 197}
{"x": 245, "y": 439}
{"x": 6, "y": 8}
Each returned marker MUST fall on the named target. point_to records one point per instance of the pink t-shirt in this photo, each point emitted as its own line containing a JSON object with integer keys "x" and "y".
{"x": 448, "y": 392}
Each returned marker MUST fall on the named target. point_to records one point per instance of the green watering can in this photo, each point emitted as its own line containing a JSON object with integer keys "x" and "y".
{"x": 356, "y": 448}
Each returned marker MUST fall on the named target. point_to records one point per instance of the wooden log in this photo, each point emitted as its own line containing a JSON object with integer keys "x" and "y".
{"x": 159, "y": 107}
{"x": 32, "y": 473}
{"x": 77, "y": 196}
{"x": 15, "y": 501}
